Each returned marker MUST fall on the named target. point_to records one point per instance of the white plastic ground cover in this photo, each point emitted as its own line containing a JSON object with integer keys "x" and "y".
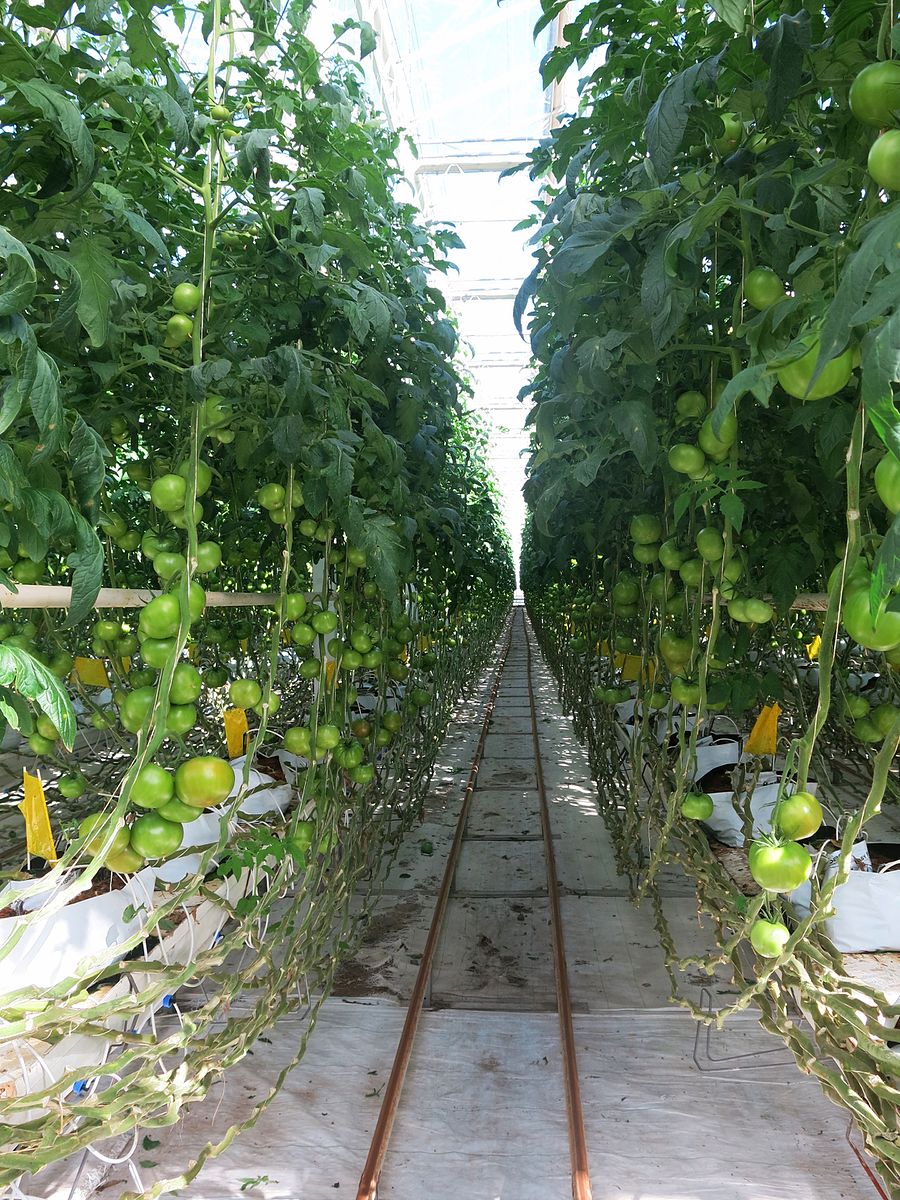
{"x": 264, "y": 794}
{"x": 94, "y": 929}
{"x": 482, "y": 1115}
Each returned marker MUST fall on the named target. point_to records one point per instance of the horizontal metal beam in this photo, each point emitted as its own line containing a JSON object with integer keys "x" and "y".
{"x": 487, "y": 164}
{"x": 36, "y": 595}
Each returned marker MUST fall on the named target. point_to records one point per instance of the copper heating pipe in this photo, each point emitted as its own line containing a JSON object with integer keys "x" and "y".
{"x": 581, "y": 1173}
{"x": 368, "y": 1184}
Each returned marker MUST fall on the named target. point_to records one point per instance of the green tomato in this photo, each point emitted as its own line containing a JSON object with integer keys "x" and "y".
{"x": 153, "y": 786}
{"x": 691, "y": 405}
{"x": 179, "y": 329}
{"x": 671, "y": 556}
{"x": 763, "y": 288}
{"x": 303, "y": 634}
{"x": 645, "y": 553}
{"x": 866, "y": 731}
{"x": 882, "y": 634}
{"x": 204, "y": 781}
{"x": 136, "y": 708}
{"x": 796, "y": 377}
{"x": 271, "y": 495}
{"x": 676, "y": 651}
{"x": 152, "y": 836}
{"x": 779, "y": 866}
{"x": 697, "y": 806}
{"x": 327, "y": 737}
{"x": 883, "y": 717}
{"x": 717, "y": 445}
{"x": 758, "y": 611}
{"x": 294, "y": 606}
{"x": 887, "y": 482}
{"x": 710, "y": 544}
{"x": 884, "y": 160}
{"x": 324, "y": 622}
{"x": 158, "y": 652}
{"x": 856, "y": 706}
{"x": 204, "y": 475}
{"x": 186, "y": 298}
{"x": 685, "y": 692}
{"x": 95, "y": 829}
{"x": 181, "y": 718}
{"x": 875, "y": 94}
{"x": 186, "y": 684}
{"x": 298, "y": 740}
{"x": 161, "y": 617}
{"x": 691, "y": 572}
{"x": 244, "y": 693}
{"x": 71, "y": 786}
{"x": 124, "y": 862}
{"x": 798, "y": 816}
{"x": 769, "y": 938}
{"x": 645, "y": 529}
{"x": 46, "y": 728}
{"x": 731, "y": 136}
{"x": 176, "y": 810}
{"x": 687, "y": 459}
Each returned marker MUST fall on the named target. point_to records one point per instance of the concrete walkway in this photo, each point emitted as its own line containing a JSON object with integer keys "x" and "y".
{"x": 482, "y": 1116}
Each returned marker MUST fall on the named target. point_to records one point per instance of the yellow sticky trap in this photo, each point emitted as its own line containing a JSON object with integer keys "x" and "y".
{"x": 630, "y": 665}
{"x": 236, "y": 731}
{"x": 38, "y": 833}
{"x": 330, "y": 668}
{"x": 193, "y": 652}
{"x": 126, "y": 664}
{"x": 813, "y": 648}
{"x": 604, "y": 649}
{"x": 91, "y": 672}
{"x": 764, "y": 735}
{"x": 245, "y": 644}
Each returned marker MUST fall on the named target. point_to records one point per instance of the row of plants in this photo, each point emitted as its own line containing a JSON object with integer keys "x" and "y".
{"x": 711, "y": 562}
{"x": 230, "y": 396}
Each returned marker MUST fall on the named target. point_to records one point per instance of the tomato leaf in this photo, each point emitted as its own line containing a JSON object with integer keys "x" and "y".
{"x": 732, "y": 507}
{"x": 886, "y": 569}
{"x": 524, "y": 294}
{"x": 47, "y": 407}
{"x": 86, "y": 562}
{"x": 668, "y": 118}
{"x": 87, "y": 453}
{"x": 783, "y": 46}
{"x": 96, "y": 269}
{"x": 19, "y": 284}
{"x": 755, "y": 379}
{"x": 36, "y": 683}
{"x": 876, "y": 249}
{"x": 880, "y": 368}
{"x": 636, "y": 422}
{"x": 309, "y": 209}
{"x": 65, "y": 118}
{"x": 581, "y": 250}
{"x": 732, "y": 13}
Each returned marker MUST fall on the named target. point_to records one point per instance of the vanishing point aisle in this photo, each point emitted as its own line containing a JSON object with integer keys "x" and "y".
{"x": 483, "y": 1112}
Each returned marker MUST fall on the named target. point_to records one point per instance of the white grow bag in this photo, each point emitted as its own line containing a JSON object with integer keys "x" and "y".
{"x": 52, "y": 948}
{"x": 866, "y": 907}
{"x": 866, "y": 913}
{"x": 728, "y": 826}
{"x": 201, "y": 832}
